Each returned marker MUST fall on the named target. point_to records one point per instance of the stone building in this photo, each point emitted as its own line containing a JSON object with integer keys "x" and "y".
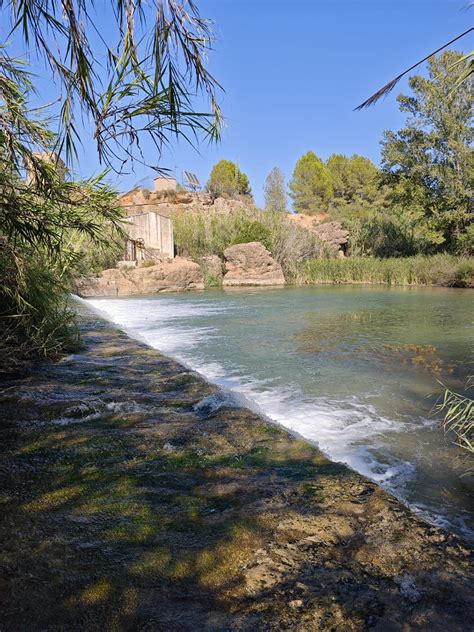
{"x": 48, "y": 158}
{"x": 163, "y": 183}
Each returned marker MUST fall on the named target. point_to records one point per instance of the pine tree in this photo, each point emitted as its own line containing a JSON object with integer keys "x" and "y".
{"x": 227, "y": 179}
{"x": 311, "y": 186}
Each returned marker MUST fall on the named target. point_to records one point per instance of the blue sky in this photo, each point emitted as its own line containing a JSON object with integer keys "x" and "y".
{"x": 294, "y": 70}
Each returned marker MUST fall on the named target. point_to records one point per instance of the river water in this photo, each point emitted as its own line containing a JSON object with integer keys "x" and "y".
{"x": 353, "y": 369}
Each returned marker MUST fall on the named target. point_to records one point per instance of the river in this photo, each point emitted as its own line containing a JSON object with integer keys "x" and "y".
{"x": 353, "y": 369}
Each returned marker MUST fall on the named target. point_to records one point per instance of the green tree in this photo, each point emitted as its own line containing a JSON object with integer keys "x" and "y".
{"x": 311, "y": 186}
{"x": 354, "y": 179}
{"x": 275, "y": 193}
{"x": 243, "y": 183}
{"x": 227, "y": 179}
{"x": 429, "y": 163}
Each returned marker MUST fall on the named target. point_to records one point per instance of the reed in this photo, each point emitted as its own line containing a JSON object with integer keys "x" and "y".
{"x": 442, "y": 269}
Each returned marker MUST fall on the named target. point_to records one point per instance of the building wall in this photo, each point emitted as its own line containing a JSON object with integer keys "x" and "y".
{"x": 48, "y": 157}
{"x": 164, "y": 184}
{"x": 155, "y": 230}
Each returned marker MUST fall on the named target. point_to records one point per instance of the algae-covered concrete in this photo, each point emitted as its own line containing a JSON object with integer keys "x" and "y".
{"x": 135, "y": 497}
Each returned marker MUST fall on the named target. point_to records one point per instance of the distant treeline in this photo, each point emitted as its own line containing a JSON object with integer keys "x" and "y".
{"x": 418, "y": 202}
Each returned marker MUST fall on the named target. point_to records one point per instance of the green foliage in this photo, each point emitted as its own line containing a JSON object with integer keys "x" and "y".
{"x": 199, "y": 234}
{"x": 354, "y": 179}
{"x": 34, "y": 313}
{"x": 429, "y": 163}
{"x": 39, "y": 218}
{"x": 445, "y": 270}
{"x": 390, "y": 232}
{"x": 87, "y": 256}
{"x": 421, "y": 201}
{"x": 248, "y": 229}
{"x": 243, "y": 183}
{"x": 227, "y": 179}
{"x": 311, "y": 187}
{"x": 136, "y": 82}
{"x": 275, "y": 193}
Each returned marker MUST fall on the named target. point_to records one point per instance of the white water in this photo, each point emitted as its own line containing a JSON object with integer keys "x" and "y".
{"x": 243, "y": 344}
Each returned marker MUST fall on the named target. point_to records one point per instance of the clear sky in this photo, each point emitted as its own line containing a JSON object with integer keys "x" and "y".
{"x": 293, "y": 70}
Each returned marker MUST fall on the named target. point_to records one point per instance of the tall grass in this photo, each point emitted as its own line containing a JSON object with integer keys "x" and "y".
{"x": 202, "y": 233}
{"x": 458, "y": 413}
{"x": 442, "y": 269}
{"x": 35, "y": 318}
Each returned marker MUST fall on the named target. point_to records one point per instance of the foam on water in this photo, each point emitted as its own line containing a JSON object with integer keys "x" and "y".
{"x": 345, "y": 430}
{"x": 348, "y": 430}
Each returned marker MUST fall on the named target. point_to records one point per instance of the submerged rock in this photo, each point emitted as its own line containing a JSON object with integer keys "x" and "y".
{"x": 251, "y": 264}
{"x": 166, "y": 276}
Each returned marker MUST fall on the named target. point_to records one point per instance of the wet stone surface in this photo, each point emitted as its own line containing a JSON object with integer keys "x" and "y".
{"x": 134, "y": 496}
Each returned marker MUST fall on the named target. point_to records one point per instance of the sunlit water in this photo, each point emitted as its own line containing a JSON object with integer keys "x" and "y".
{"x": 351, "y": 369}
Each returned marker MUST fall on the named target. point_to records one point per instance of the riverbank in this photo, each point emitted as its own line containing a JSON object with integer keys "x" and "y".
{"x": 136, "y": 496}
{"x": 440, "y": 270}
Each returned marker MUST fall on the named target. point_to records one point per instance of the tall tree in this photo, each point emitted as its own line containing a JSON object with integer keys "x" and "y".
{"x": 311, "y": 186}
{"x": 354, "y": 178}
{"x": 227, "y": 179}
{"x": 138, "y": 78}
{"x": 430, "y": 161}
{"x": 275, "y": 193}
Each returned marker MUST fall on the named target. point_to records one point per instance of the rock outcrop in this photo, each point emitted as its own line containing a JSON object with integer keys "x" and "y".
{"x": 330, "y": 233}
{"x": 333, "y": 235}
{"x": 251, "y": 264}
{"x": 168, "y": 203}
{"x": 168, "y": 276}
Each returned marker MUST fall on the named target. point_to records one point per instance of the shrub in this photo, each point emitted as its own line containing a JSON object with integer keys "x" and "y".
{"x": 199, "y": 234}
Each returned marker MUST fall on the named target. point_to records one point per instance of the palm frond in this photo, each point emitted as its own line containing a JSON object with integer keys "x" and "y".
{"x": 165, "y": 63}
{"x": 387, "y": 88}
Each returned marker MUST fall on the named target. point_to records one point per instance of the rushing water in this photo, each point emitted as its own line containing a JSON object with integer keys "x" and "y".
{"x": 353, "y": 369}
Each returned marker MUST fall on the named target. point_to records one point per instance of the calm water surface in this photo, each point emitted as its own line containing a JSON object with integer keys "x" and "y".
{"x": 352, "y": 369}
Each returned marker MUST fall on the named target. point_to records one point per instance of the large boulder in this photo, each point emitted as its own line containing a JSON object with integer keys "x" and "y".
{"x": 173, "y": 275}
{"x": 251, "y": 264}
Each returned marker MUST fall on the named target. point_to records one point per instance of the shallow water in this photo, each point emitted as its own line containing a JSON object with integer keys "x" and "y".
{"x": 353, "y": 369}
